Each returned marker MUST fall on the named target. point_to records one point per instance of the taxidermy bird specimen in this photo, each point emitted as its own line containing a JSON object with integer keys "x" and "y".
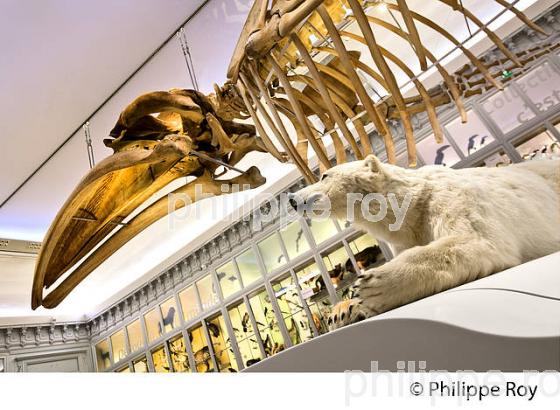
{"x": 297, "y": 74}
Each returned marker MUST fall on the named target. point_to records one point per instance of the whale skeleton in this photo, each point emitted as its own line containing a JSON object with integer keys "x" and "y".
{"x": 292, "y": 64}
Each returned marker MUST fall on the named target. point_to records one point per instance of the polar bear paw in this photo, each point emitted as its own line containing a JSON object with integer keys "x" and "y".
{"x": 347, "y": 312}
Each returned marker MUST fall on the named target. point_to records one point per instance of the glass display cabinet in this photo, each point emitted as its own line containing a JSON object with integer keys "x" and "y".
{"x": 228, "y": 279}
{"x": 152, "y": 319}
{"x": 201, "y": 351}
{"x": 103, "y": 355}
{"x": 507, "y": 109}
{"x": 140, "y": 365}
{"x": 267, "y": 324}
{"x": 189, "y": 303}
{"x": 244, "y": 334}
{"x": 537, "y": 145}
{"x": 118, "y": 344}
{"x": 221, "y": 344}
{"x": 271, "y": 252}
{"x": 316, "y": 296}
{"x": 248, "y": 267}
{"x": 471, "y": 136}
{"x": 322, "y": 229}
{"x": 433, "y": 153}
{"x": 179, "y": 355}
{"x": 207, "y": 292}
{"x": 135, "y": 337}
{"x": 294, "y": 240}
{"x": 292, "y": 308}
{"x": 159, "y": 359}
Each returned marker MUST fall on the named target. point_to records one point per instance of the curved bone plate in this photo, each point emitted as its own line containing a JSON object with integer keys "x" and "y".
{"x": 103, "y": 199}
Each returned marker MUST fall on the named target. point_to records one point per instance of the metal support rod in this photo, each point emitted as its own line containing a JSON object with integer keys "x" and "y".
{"x": 188, "y": 57}
{"x": 89, "y": 147}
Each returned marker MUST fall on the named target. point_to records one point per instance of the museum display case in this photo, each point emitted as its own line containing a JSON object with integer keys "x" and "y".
{"x": 159, "y": 359}
{"x": 103, "y": 355}
{"x": 118, "y": 344}
{"x": 244, "y": 334}
{"x": 189, "y": 303}
{"x": 229, "y": 279}
{"x": 471, "y": 136}
{"x": 179, "y": 355}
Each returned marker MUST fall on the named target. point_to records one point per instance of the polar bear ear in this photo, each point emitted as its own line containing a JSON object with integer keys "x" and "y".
{"x": 373, "y": 163}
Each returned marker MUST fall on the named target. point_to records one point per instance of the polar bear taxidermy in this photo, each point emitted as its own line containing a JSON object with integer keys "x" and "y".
{"x": 455, "y": 225}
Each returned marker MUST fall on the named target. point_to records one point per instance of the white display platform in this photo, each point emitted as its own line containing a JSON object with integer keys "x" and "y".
{"x": 508, "y": 321}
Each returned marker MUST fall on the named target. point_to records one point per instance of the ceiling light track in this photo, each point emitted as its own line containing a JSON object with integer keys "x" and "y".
{"x": 119, "y": 88}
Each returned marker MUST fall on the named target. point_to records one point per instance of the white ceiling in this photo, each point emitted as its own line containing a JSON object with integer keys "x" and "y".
{"x": 60, "y": 60}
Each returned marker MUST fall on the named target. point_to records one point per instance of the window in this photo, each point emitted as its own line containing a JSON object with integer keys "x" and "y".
{"x": 221, "y": 344}
{"x": 293, "y": 312}
{"x": 272, "y": 339}
{"x": 310, "y": 281}
{"x": 316, "y": 295}
{"x": 542, "y": 86}
{"x": 201, "y": 351}
{"x": 340, "y": 269}
{"x": 119, "y": 346}
{"x": 179, "y": 355}
{"x": 294, "y": 239}
{"x": 437, "y": 154}
{"x": 336, "y": 259}
{"x": 244, "y": 334}
{"x": 322, "y": 229}
{"x": 140, "y": 365}
{"x": 159, "y": 357}
{"x": 507, "y": 109}
{"x": 124, "y": 370}
{"x": 271, "y": 252}
{"x": 470, "y": 136}
{"x": 135, "y": 338}
{"x": 320, "y": 312}
{"x": 153, "y": 325}
{"x": 248, "y": 267}
{"x": 366, "y": 251}
{"x": 537, "y": 146}
{"x": 169, "y": 313}
{"x": 207, "y": 292}
{"x": 498, "y": 159}
{"x": 227, "y": 276}
{"x": 103, "y": 355}
{"x": 189, "y": 303}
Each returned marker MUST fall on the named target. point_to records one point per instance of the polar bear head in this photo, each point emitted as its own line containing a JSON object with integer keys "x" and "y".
{"x": 338, "y": 183}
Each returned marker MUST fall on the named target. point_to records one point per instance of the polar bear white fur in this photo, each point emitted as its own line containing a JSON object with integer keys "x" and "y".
{"x": 461, "y": 225}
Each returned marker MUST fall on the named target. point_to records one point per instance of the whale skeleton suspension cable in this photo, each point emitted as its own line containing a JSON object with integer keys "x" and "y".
{"x": 89, "y": 146}
{"x": 181, "y": 35}
{"x": 466, "y": 19}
